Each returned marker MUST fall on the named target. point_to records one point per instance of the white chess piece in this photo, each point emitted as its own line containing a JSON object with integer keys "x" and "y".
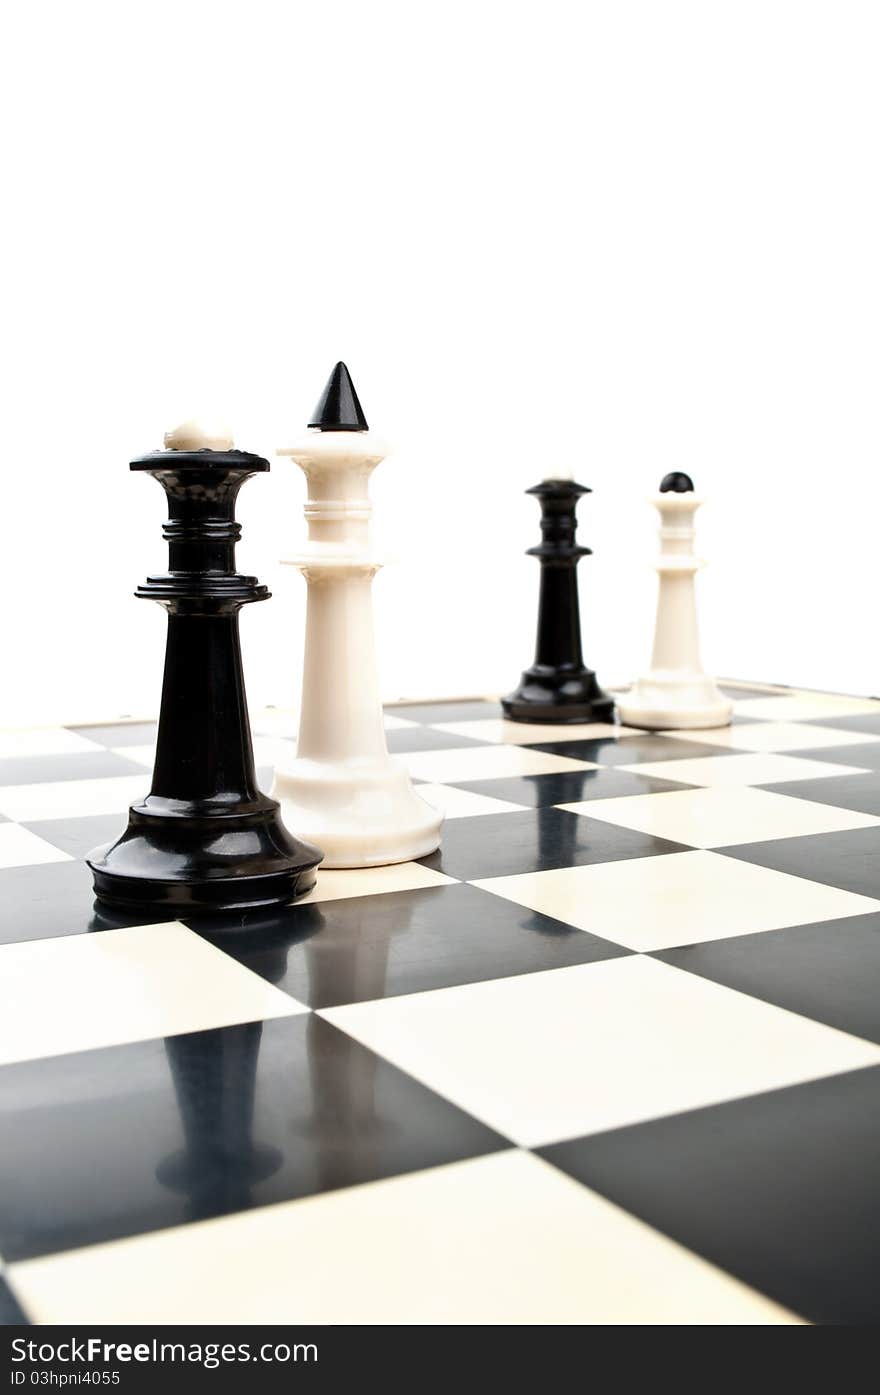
{"x": 342, "y": 790}
{"x": 676, "y": 693}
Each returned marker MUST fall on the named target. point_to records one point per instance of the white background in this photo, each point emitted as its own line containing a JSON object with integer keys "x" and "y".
{"x": 616, "y": 237}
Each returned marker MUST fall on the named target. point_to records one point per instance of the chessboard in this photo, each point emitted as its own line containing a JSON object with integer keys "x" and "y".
{"x": 612, "y": 1055}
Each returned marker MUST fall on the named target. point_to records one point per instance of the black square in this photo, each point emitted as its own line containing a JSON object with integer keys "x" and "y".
{"x": 849, "y": 860}
{"x": 868, "y": 722}
{"x": 11, "y": 1312}
{"x": 128, "y": 1139}
{"x": 365, "y": 947}
{"x": 631, "y": 750}
{"x": 780, "y": 1189}
{"x": 79, "y": 836}
{"x": 57, "y": 898}
{"x": 120, "y": 733}
{"x": 858, "y": 792}
{"x": 77, "y": 765}
{"x": 828, "y": 971}
{"x": 866, "y": 756}
{"x": 569, "y": 786}
{"x": 501, "y": 845}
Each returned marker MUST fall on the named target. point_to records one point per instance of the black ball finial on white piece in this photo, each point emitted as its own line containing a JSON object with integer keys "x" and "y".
{"x": 676, "y": 482}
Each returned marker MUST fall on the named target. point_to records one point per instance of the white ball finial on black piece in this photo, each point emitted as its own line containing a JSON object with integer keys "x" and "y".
{"x": 676, "y": 693}
{"x": 199, "y": 435}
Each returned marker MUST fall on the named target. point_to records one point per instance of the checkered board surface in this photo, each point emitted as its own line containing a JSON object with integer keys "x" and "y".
{"x": 611, "y": 1056}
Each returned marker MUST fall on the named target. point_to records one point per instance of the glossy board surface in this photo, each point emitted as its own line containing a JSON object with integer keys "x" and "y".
{"x": 612, "y": 1055}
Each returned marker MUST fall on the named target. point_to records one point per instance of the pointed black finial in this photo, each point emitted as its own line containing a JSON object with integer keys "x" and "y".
{"x": 676, "y": 483}
{"x": 339, "y": 408}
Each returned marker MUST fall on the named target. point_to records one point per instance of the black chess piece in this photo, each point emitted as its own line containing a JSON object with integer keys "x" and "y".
{"x": 558, "y": 687}
{"x": 205, "y": 838}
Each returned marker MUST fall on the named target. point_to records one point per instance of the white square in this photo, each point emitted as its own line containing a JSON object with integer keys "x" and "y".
{"x": 273, "y": 750}
{"x": 141, "y": 755}
{"x": 72, "y": 799}
{"x": 21, "y": 848}
{"x": 276, "y": 721}
{"x": 43, "y": 741}
{"x": 500, "y": 1240}
{"x": 718, "y": 818}
{"x": 687, "y": 898}
{"x": 337, "y": 884}
{"x": 83, "y": 991}
{"x": 805, "y": 707}
{"x": 751, "y": 768}
{"x": 454, "y": 803}
{"x": 772, "y": 736}
{"x": 552, "y": 1055}
{"x": 495, "y": 729}
{"x": 486, "y": 763}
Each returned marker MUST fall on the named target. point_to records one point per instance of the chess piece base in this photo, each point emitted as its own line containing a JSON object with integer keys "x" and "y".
{"x": 360, "y": 816}
{"x": 208, "y": 862}
{"x": 552, "y": 695}
{"x": 183, "y": 1173}
{"x": 675, "y": 703}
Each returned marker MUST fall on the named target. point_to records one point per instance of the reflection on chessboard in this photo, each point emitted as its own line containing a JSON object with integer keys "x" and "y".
{"x": 611, "y": 1054}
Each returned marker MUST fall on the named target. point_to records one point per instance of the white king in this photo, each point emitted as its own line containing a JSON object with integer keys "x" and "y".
{"x": 342, "y": 790}
{"x": 676, "y": 693}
